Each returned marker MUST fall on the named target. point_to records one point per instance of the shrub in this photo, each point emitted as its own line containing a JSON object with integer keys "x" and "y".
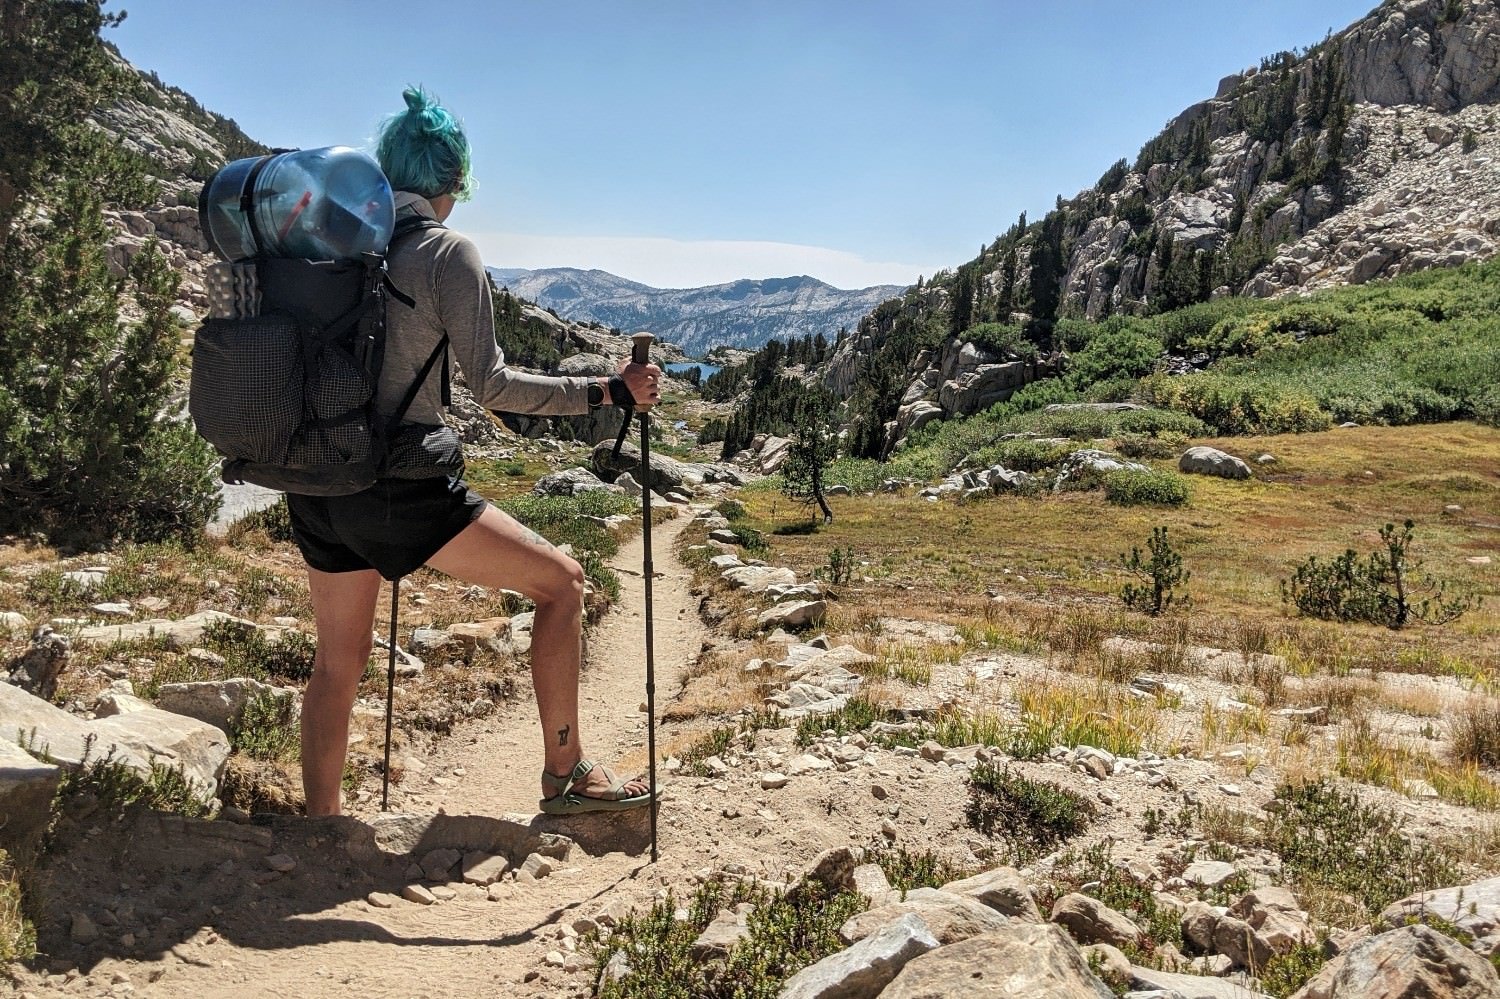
{"x": 113, "y": 786}
{"x": 1383, "y": 588}
{"x": 1031, "y": 816}
{"x": 267, "y": 729}
{"x": 786, "y": 933}
{"x": 1121, "y": 348}
{"x": 1476, "y": 732}
{"x": 1133, "y": 445}
{"x": 1163, "y": 570}
{"x": 905, "y": 870}
{"x": 1329, "y": 837}
{"x": 857, "y": 715}
{"x": 1128, "y": 487}
{"x": 274, "y": 521}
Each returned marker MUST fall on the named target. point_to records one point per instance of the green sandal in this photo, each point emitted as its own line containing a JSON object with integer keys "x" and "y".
{"x": 566, "y": 802}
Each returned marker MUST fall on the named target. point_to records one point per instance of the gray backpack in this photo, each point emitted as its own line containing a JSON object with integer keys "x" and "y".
{"x": 286, "y": 366}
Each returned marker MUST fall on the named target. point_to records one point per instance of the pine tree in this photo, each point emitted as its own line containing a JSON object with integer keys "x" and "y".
{"x": 87, "y": 453}
{"x": 814, "y": 444}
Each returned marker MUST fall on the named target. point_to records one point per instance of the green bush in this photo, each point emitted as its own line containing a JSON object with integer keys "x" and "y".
{"x": 1162, "y": 570}
{"x": 1006, "y": 341}
{"x": 1386, "y": 587}
{"x": 268, "y": 729}
{"x": 1031, "y": 816}
{"x": 1331, "y": 838}
{"x": 905, "y": 870}
{"x": 1121, "y": 348}
{"x": 1168, "y": 445}
{"x": 1128, "y": 487}
{"x": 787, "y": 932}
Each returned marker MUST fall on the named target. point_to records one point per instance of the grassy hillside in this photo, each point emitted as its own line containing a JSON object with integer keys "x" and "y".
{"x": 1420, "y": 349}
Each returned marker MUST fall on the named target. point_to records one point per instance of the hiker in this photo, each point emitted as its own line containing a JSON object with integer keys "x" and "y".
{"x": 422, "y": 513}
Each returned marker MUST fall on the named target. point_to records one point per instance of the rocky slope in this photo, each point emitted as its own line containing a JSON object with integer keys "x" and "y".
{"x": 740, "y": 314}
{"x": 1370, "y": 154}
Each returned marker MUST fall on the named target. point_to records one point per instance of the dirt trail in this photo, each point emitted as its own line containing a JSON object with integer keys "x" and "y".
{"x": 502, "y": 763}
{"x": 213, "y": 924}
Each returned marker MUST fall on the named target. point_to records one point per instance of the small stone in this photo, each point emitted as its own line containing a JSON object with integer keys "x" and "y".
{"x": 1453, "y": 508}
{"x": 495, "y": 892}
{"x": 1233, "y": 790}
{"x": 483, "y": 869}
{"x": 879, "y": 791}
{"x": 888, "y": 829}
{"x": 418, "y": 894}
{"x": 83, "y": 930}
{"x": 281, "y": 863}
{"x": 554, "y": 958}
{"x": 443, "y": 893}
{"x": 537, "y": 866}
{"x": 437, "y": 863}
{"x": 772, "y": 781}
{"x": 381, "y": 899}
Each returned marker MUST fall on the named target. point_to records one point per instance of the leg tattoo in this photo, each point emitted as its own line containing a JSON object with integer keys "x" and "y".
{"x": 562, "y": 735}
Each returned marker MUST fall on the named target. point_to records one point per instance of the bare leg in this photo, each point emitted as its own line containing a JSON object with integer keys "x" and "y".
{"x": 497, "y": 551}
{"x": 344, "y": 608}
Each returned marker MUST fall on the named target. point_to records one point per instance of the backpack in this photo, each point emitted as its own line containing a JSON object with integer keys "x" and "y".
{"x": 285, "y": 370}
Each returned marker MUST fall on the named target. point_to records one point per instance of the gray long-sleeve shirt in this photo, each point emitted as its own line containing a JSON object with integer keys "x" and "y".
{"x": 442, "y": 271}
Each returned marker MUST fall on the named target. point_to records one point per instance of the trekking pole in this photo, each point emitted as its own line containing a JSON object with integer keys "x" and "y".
{"x": 390, "y": 693}
{"x": 640, "y": 353}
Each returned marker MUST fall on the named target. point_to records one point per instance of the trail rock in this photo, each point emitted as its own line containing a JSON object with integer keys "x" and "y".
{"x": 1198, "y": 922}
{"x": 483, "y": 869}
{"x": 666, "y": 472}
{"x": 216, "y": 702}
{"x": 1237, "y": 940}
{"x": 1473, "y": 908}
{"x": 865, "y": 968}
{"x": 181, "y": 634}
{"x": 1091, "y": 921}
{"x": 950, "y": 917}
{"x": 756, "y": 578}
{"x": 1413, "y": 962}
{"x": 1003, "y": 890}
{"x": 1191, "y": 986}
{"x": 36, "y": 670}
{"x": 1203, "y": 460}
{"x": 1208, "y": 873}
{"x": 719, "y": 937}
{"x": 794, "y": 614}
{"x": 436, "y": 864}
{"x": 26, "y": 789}
{"x": 418, "y": 894}
{"x": 48, "y": 730}
{"x": 171, "y": 739}
{"x": 571, "y": 482}
{"x": 1020, "y": 961}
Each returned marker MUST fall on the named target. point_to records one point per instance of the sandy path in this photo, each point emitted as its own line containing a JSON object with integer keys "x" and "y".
{"x": 314, "y": 934}
{"x": 502, "y": 763}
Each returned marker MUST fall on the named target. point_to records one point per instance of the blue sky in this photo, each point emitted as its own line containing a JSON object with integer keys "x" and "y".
{"x": 681, "y": 144}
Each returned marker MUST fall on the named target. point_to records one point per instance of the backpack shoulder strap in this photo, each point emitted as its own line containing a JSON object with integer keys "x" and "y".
{"x": 405, "y": 227}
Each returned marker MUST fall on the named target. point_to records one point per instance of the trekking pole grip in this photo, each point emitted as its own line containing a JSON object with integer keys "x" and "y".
{"x": 640, "y": 347}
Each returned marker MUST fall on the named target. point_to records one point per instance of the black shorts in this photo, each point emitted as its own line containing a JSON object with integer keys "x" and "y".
{"x": 393, "y": 527}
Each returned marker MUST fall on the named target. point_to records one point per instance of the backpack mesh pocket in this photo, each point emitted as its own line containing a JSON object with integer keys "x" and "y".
{"x": 338, "y": 431}
{"x": 246, "y": 395}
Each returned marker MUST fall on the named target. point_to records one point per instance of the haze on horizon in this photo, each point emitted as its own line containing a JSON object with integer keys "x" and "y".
{"x": 684, "y": 145}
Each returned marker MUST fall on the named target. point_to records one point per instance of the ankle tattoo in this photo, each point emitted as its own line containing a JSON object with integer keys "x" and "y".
{"x": 562, "y": 735}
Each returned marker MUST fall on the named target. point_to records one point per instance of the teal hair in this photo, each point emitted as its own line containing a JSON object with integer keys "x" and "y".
{"x": 424, "y": 149}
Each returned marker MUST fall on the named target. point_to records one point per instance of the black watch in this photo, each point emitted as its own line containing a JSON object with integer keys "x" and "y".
{"x": 596, "y": 395}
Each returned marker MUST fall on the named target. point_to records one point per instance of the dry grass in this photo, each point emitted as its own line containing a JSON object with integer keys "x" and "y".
{"x": 1081, "y": 714}
{"x": 1365, "y": 756}
{"x": 1476, "y": 732}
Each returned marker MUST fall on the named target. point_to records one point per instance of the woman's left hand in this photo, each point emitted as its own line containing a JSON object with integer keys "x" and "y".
{"x": 644, "y": 382}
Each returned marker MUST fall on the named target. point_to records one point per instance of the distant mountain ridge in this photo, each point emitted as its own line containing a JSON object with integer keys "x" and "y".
{"x": 744, "y": 313}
